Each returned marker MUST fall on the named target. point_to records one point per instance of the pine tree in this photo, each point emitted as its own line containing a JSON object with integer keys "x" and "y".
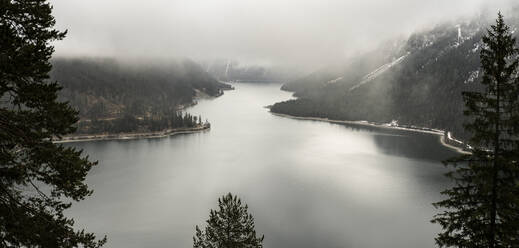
{"x": 482, "y": 209}
{"x": 229, "y": 227}
{"x": 38, "y": 178}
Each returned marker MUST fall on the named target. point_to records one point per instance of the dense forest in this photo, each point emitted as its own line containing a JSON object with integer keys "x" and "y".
{"x": 113, "y": 96}
{"x": 129, "y": 123}
{"x": 416, "y": 81}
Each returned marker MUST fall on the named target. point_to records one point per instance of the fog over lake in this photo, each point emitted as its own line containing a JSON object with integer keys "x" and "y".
{"x": 307, "y": 183}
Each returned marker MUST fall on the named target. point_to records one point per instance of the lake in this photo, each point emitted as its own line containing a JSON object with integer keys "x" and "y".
{"x": 307, "y": 183}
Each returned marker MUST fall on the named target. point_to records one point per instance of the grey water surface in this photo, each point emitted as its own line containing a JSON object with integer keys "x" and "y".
{"x": 307, "y": 183}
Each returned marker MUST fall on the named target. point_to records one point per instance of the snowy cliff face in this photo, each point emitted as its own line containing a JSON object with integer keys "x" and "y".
{"x": 416, "y": 81}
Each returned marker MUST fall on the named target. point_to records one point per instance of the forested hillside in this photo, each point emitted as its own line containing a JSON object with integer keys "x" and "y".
{"x": 147, "y": 96}
{"x": 417, "y": 81}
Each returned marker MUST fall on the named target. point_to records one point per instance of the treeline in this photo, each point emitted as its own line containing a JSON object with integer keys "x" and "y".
{"x": 306, "y": 108}
{"x": 113, "y": 96}
{"x": 128, "y": 123}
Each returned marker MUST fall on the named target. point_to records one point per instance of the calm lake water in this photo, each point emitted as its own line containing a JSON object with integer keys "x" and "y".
{"x": 307, "y": 183}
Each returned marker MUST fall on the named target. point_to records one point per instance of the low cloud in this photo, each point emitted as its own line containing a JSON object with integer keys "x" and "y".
{"x": 303, "y": 33}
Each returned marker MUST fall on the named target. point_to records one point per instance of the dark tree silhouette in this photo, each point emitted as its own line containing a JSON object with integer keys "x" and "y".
{"x": 231, "y": 226}
{"x": 38, "y": 178}
{"x": 482, "y": 209}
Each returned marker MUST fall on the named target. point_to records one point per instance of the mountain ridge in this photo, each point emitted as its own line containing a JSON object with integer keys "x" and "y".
{"x": 414, "y": 82}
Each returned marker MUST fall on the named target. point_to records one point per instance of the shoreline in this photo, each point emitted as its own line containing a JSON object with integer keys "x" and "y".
{"x": 445, "y": 137}
{"x": 131, "y": 136}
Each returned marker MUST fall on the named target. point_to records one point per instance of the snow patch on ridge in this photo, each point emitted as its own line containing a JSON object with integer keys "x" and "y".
{"x": 334, "y": 80}
{"x": 227, "y": 68}
{"x": 476, "y": 47}
{"x": 374, "y": 74}
{"x": 459, "y": 34}
{"x": 473, "y": 75}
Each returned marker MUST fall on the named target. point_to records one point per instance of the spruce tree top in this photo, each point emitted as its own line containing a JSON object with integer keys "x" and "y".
{"x": 231, "y": 226}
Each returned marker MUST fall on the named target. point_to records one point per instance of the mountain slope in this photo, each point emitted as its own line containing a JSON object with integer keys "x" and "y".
{"x": 103, "y": 88}
{"x": 418, "y": 82}
{"x": 115, "y": 97}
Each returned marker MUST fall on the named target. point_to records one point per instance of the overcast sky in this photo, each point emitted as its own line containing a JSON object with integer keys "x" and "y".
{"x": 296, "y": 32}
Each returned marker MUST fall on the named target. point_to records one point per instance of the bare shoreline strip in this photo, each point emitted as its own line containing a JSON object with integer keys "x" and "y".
{"x": 129, "y": 136}
{"x": 438, "y": 132}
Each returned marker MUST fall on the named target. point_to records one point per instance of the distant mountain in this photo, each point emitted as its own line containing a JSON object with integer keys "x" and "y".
{"x": 230, "y": 70}
{"x": 415, "y": 81}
